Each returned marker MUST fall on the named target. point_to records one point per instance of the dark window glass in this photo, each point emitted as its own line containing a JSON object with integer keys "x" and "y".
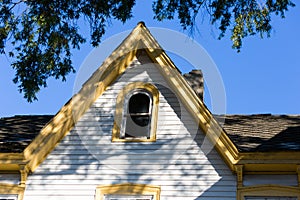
{"x": 138, "y": 115}
{"x": 139, "y": 103}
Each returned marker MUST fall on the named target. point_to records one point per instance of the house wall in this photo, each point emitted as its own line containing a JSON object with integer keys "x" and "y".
{"x": 86, "y": 157}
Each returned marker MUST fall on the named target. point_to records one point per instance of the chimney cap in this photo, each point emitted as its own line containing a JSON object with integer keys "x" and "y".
{"x": 195, "y": 80}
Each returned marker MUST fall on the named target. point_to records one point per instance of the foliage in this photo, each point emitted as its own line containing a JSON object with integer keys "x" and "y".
{"x": 42, "y": 33}
{"x": 243, "y": 17}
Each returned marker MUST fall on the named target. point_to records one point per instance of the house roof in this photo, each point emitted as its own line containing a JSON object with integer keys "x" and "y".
{"x": 263, "y": 132}
{"x": 17, "y": 132}
{"x": 249, "y": 133}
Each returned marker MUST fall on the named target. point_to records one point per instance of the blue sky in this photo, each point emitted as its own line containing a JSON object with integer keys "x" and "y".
{"x": 263, "y": 78}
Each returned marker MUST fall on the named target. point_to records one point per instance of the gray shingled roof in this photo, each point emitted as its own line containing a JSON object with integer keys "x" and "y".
{"x": 250, "y": 133}
{"x": 17, "y": 132}
{"x": 263, "y": 132}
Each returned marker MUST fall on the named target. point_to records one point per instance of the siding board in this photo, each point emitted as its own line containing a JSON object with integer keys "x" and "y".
{"x": 86, "y": 157}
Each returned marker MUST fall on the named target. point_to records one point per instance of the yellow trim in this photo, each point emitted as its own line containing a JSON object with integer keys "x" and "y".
{"x": 24, "y": 174}
{"x": 268, "y": 191}
{"x": 239, "y": 174}
{"x": 10, "y": 189}
{"x": 119, "y": 111}
{"x": 263, "y": 167}
{"x": 298, "y": 175}
{"x": 11, "y": 156}
{"x": 268, "y": 157}
{"x": 110, "y": 70}
{"x": 11, "y": 161}
{"x": 127, "y": 189}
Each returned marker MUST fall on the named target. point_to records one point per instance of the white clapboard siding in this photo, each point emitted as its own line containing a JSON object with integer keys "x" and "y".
{"x": 86, "y": 158}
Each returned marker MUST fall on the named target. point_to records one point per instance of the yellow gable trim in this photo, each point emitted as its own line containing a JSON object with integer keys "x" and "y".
{"x": 112, "y": 68}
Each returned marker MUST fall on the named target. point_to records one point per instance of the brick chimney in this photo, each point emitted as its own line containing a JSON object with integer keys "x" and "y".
{"x": 195, "y": 79}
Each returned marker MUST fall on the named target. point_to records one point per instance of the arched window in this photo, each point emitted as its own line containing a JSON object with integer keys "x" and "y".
{"x": 136, "y": 113}
{"x": 127, "y": 191}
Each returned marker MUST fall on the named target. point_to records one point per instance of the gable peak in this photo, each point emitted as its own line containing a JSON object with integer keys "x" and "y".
{"x": 141, "y": 23}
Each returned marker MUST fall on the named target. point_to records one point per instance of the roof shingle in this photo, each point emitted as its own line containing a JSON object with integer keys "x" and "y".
{"x": 17, "y": 132}
{"x": 263, "y": 132}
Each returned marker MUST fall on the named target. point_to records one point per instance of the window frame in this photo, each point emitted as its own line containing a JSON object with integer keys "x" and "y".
{"x": 9, "y": 196}
{"x": 127, "y": 189}
{"x": 11, "y": 189}
{"x": 268, "y": 191}
{"x": 121, "y": 106}
{"x": 126, "y": 112}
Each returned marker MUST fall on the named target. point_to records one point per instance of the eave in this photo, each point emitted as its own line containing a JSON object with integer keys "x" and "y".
{"x": 12, "y": 161}
{"x": 270, "y": 162}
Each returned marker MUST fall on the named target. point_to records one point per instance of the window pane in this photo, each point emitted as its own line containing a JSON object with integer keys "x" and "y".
{"x": 140, "y": 120}
{"x": 137, "y": 126}
{"x": 139, "y": 103}
{"x": 137, "y": 119}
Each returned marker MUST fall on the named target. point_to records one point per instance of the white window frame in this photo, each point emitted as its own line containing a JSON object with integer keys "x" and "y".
{"x": 126, "y": 112}
{"x": 8, "y": 197}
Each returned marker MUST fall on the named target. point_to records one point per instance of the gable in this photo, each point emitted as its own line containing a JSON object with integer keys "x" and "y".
{"x": 87, "y": 156}
{"x": 111, "y": 69}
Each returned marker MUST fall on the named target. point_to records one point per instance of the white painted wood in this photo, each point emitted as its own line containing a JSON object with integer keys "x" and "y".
{"x": 86, "y": 157}
{"x": 8, "y": 197}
